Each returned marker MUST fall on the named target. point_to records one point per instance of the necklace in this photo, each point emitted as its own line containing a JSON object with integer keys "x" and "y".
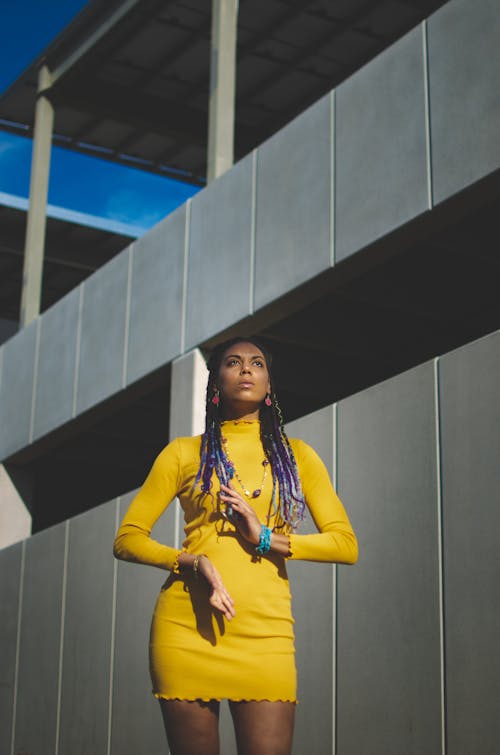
{"x": 249, "y": 494}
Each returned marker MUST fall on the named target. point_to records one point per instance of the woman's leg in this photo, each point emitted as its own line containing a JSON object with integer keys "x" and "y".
{"x": 192, "y": 727}
{"x": 263, "y": 728}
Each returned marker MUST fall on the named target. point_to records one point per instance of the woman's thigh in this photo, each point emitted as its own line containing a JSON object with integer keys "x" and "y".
{"x": 192, "y": 727}
{"x": 263, "y": 727}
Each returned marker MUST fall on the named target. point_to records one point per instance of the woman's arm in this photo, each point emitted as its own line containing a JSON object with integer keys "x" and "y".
{"x": 335, "y": 541}
{"x": 219, "y": 596}
{"x": 133, "y": 541}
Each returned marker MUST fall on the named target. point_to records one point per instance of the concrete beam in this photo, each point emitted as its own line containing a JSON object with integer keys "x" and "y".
{"x": 34, "y": 247}
{"x": 93, "y": 39}
{"x": 222, "y": 87}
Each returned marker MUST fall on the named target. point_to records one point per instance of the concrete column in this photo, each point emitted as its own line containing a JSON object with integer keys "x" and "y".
{"x": 15, "y": 519}
{"x": 222, "y": 87}
{"x": 34, "y": 247}
{"x": 187, "y": 395}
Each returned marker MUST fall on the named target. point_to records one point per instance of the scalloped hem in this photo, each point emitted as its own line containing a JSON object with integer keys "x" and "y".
{"x": 176, "y": 569}
{"x": 230, "y": 699}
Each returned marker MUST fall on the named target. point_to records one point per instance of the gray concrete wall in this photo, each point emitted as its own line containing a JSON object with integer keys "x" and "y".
{"x": 398, "y": 654}
{"x": 300, "y": 204}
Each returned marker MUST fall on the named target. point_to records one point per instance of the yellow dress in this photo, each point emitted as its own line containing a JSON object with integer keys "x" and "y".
{"x": 194, "y": 652}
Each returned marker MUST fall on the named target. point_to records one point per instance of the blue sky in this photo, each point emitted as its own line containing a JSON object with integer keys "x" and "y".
{"x": 77, "y": 182}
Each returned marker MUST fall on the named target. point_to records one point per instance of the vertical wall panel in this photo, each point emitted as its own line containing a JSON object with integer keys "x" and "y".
{"x": 464, "y": 70}
{"x": 226, "y": 729}
{"x": 10, "y": 570}
{"x": 388, "y": 660}
{"x": 87, "y": 633}
{"x": 156, "y": 296}
{"x": 470, "y": 449}
{"x": 40, "y": 639}
{"x": 380, "y": 148}
{"x": 16, "y": 390}
{"x": 56, "y": 364}
{"x": 294, "y": 200}
{"x": 314, "y": 609}
{"x": 100, "y": 362}
{"x": 2, "y": 349}
{"x": 137, "y": 725}
{"x": 220, "y": 254}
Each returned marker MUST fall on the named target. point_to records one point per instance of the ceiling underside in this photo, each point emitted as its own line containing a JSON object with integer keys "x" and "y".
{"x": 140, "y": 94}
{"x": 73, "y": 252}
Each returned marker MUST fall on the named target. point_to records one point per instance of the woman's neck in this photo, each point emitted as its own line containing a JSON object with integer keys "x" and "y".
{"x": 244, "y": 415}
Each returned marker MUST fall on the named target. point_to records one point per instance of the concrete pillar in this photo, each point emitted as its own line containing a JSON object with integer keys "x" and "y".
{"x": 15, "y": 519}
{"x": 34, "y": 247}
{"x": 187, "y": 395}
{"x": 222, "y": 87}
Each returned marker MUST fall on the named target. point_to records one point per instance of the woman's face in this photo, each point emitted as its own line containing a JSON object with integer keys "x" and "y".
{"x": 243, "y": 375}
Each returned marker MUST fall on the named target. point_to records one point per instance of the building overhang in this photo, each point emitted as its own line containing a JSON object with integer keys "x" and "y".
{"x": 130, "y": 80}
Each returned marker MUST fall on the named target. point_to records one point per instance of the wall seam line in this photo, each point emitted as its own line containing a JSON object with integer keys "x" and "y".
{"x": 254, "y": 220}
{"x": 439, "y": 500}
{"x": 177, "y": 524}
{"x": 253, "y": 204}
{"x": 187, "y": 239}
{"x": 113, "y": 634}
{"x": 427, "y": 115}
{"x": 35, "y": 378}
{"x": 334, "y": 594}
{"x": 61, "y": 636}
{"x": 18, "y": 645}
{"x": 333, "y": 187}
{"x": 127, "y": 316}
{"x": 77, "y": 349}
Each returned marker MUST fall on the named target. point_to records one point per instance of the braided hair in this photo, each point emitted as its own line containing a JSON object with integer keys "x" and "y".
{"x": 287, "y": 501}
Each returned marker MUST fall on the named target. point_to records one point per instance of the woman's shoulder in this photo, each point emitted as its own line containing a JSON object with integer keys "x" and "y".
{"x": 300, "y": 446}
{"x": 189, "y": 441}
{"x": 183, "y": 449}
{"x": 304, "y": 453}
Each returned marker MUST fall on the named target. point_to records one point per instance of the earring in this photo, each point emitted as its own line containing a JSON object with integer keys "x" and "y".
{"x": 267, "y": 400}
{"x": 216, "y": 397}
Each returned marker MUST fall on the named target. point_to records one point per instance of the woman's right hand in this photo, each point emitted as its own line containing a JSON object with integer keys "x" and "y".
{"x": 219, "y": 596}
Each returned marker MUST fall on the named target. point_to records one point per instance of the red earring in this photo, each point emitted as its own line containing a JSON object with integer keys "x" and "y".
{"x": 215, "y": 397}
{"x": 267, "y": 400}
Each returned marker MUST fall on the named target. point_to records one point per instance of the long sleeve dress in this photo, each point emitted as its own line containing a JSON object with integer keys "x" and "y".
{"x": 195, "y": 653}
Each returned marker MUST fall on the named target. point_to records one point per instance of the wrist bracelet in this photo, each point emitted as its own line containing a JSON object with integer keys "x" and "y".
{"x": 264, "y": 541}
{"x": 196, "y": 564}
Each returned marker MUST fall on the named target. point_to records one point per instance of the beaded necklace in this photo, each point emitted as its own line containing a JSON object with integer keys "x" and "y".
{"x": 246, "y": 491}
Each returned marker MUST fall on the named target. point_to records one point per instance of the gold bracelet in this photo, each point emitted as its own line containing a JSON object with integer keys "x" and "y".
{"x": 196, "y": 564}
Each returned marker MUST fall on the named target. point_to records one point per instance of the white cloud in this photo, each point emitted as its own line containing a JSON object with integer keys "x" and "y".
{"x": 12, "y": 145}
{"x": 128, "y": 206}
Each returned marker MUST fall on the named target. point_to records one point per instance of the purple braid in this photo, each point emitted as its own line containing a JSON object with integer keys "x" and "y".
{"x": 287, "y": 497}
{"x": 212, "y": 456}
{"x": 285, "y": 473}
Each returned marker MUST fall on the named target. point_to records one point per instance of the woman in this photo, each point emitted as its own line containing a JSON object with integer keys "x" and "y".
{"x": 222, "y": 626}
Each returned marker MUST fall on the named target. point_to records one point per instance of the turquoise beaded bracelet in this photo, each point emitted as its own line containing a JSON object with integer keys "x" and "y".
{"x": 264, "y": 541}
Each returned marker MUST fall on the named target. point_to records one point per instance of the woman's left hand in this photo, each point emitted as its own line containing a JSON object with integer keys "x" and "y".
{"x": 247, "y": 522}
